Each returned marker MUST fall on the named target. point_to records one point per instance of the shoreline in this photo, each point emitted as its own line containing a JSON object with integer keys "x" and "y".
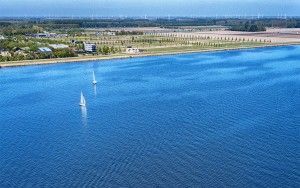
{"x": 11, "y": 64}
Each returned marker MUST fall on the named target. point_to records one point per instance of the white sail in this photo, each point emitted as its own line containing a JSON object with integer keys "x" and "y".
{"x": 94, "y": 78}
{"x": 82, "y": 100}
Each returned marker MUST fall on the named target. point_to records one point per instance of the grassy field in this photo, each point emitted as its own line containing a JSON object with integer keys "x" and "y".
{"x": 202, "y": 48}
{"x": 149, "y": 44}
{"x": 152, "y": 43}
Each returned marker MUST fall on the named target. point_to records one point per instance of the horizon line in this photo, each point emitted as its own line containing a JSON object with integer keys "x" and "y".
{"x": 152, "y": 17}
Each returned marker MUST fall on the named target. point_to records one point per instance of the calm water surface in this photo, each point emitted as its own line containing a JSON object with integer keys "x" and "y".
{"x": 220, "y": 119}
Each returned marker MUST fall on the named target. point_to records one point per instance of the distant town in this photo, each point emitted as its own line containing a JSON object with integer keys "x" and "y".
{"x": 34, "y": 39}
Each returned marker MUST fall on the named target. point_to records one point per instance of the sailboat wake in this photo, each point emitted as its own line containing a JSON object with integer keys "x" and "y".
{"x": 84, "y": 115}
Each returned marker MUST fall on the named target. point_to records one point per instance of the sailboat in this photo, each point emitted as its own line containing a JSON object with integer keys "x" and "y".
{"x": 94, "y": 78}
{"x": 82, "y": 100}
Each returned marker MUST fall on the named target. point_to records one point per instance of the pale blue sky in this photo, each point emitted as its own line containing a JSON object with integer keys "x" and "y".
{"x": 149, "y": 7}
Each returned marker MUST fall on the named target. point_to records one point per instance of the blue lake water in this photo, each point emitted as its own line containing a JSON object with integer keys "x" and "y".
{"x": 219, "y": 119}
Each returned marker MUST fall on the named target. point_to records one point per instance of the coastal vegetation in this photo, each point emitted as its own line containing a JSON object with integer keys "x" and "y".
{"x": 19, "y": 26}
{"x": 24, "y": 39}
{"x": 15, "y": 30}
{"x": 249, "y": 27}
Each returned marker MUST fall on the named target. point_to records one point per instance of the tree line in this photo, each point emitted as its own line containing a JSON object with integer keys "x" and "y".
{"x": 13, "y": 27}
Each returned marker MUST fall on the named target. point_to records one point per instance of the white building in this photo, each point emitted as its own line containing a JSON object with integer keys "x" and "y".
{"x": 58, "y": 46}
{"x": 89, "y": 47}
{"x": 131, "y": 50}
{"x": 110, "y": 33}
{"x": 44, "y": 35}
{"x": 45, "y": 50}
{"x": 61, "y": 35}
